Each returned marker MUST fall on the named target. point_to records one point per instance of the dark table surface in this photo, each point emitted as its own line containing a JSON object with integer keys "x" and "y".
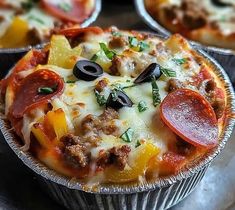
{"x": 18, "y": 186}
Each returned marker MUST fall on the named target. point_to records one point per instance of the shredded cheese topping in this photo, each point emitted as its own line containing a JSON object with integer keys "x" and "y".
{"x": 123, "y": 56}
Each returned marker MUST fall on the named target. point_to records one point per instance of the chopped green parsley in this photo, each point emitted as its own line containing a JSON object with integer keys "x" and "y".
{"x": 155, "y": 92}
{"x": 142, "y": 106}
{"x": 127, "y": 135}
{"x": 109, "y": 53}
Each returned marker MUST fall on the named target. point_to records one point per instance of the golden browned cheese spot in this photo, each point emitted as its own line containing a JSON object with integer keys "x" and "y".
{"x": 101, "y": 85}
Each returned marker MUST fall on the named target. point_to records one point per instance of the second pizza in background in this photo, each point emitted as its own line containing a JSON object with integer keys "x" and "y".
{"x": 33, "y": 21}
{"x": 210, "y": 22}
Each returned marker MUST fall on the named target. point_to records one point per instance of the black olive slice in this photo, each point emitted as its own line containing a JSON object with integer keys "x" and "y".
{"x": 220, "y": 3}
{"x": 118, "y": 99}
{"x": 152, "y": 70}
{"x": 87, "y": 70}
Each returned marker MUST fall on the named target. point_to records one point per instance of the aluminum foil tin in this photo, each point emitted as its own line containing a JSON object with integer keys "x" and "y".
{"x": 160, "y": 198}
{"x": 8, "y": 57}
{"x": 160, "y": 194}
{"x": 225, "y": 57}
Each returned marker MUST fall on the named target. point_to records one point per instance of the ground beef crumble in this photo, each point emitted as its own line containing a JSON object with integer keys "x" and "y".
{"x": 190, "y": 13}
{"x": 208, "y": 89}
{"x": 101, "y": 85}
{"x": 76, "y": 149}
{"x": 118, "y": 42}
{"x": 116, "y": 63}
{"x": 174, "y": 84}
{"x": 103, "y": 123}
{"x": 117, "y": 156}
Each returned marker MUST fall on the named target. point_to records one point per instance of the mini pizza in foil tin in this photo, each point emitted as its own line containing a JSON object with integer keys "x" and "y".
{"x": 161, "y": 193}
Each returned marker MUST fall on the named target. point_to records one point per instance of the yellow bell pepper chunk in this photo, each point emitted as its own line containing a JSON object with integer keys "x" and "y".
{"x": 144, "y": 153}
{"x": 104, "y": 63}
{"x": 40, "y": 135}
{"x": 61, "y": 54}
{"x": 57, "y": 120}
{"x": 16, "y": 34}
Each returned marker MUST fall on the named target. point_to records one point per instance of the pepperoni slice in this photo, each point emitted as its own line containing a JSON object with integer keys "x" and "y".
{"x": 28, "y": 95}
{"x": 30, "y": 60}
{"x": 203, "y": 75}
{"x": 190, "y": 116}
{"x": 75, "y": 31}
{"x": 171, "y": 163}
{"x": 70, "y": 11}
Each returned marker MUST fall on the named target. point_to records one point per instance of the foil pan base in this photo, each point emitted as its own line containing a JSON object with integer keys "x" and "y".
{"x": 158, "y": 199}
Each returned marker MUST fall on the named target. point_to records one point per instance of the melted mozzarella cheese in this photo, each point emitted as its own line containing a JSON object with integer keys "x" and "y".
{"x": 175, "y": 2}
{"x": 36, "y": 19}
{"x": 28, "y": 122}
{"x": 82, "y": 93}
{"x": 39, "y": 20}
{"x": 78, "y": 99}
{"x": 56, "y": 2}
{"x": 227, "y": 28}
{"x": 224, "y": 17}
{"x": 6, "y": 18}
{"x": 15, "y": 3}
{"x": 218, "y": 13}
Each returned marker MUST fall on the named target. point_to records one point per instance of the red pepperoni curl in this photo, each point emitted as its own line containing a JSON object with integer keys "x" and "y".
{"x": 75, "y": 31}
{"x": 30, "y": 60}
{"x": 171, "y": 163}
{"x": 30, "y": 94}
{"x": 190, "y": 116}
{"x": 76, "y": 11}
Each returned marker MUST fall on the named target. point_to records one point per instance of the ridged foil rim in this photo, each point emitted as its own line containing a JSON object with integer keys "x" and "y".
{"x": 147, "y": 18}
{"x": 194, "y": 168}
{"x": 87, "y": 22}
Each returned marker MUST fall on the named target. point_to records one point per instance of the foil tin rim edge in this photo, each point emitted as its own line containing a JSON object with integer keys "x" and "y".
{"x": 146, "y": 17}
{"x": 51, "y": 175}
{"x": 86, "y": 23}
